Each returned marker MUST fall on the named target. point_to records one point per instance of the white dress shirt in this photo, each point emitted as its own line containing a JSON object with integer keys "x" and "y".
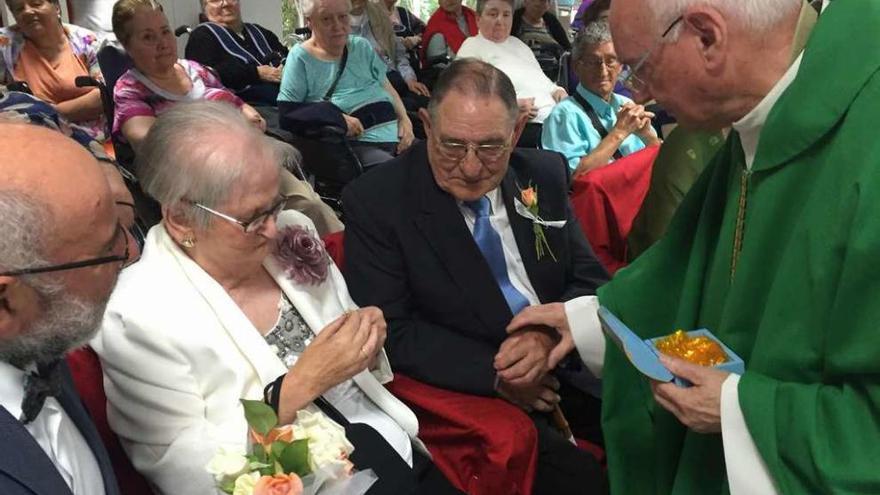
{"x": 501, "y": 223}
{"x": 747, "y": 472}
{"x": 56, "y": 434}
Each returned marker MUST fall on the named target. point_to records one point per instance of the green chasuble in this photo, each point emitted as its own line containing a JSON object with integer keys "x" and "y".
{"x": 803, "y": 306}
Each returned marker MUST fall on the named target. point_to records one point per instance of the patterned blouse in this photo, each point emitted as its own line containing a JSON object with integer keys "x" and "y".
{"x": 136, "y": 95}
{"x": 84, "y": 44}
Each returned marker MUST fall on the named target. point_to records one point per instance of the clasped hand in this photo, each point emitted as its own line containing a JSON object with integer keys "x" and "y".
{"x": 522, "y": 369}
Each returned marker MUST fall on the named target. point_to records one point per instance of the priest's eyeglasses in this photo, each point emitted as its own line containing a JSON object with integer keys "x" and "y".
{"x": 457, "y": 150}
{"x": 630, "y": 77}
{"x": 123, "y": 259}
{"x": 253, "y": 224}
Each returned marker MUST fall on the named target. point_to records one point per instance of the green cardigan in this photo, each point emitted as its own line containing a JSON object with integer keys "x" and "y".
{"x": 803, "y": 308}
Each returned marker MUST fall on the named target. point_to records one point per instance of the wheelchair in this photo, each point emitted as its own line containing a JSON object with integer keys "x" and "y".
{"x": 114, "y": 62}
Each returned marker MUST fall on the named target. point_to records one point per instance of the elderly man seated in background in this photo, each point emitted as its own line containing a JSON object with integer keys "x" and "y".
{"x": 246, "y": 56}
{"x": 48, "y": 55}
{"x": 223, "y": 303}
{"x": 595, "y": 126}
{"x": 437, "y": 239}
{"x": 536, "y": 94}
{"x": 335, "y": 79}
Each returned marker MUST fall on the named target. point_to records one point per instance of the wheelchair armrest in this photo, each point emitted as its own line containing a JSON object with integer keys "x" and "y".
{"x": 181, "y": 30}
{"x": 19, "y": 87}
{"x": 86, "y": 82}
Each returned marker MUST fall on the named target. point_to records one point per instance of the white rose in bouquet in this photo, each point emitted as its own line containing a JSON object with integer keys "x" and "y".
{"x": 227, "y": 465}
{"x": 328, "y": 447}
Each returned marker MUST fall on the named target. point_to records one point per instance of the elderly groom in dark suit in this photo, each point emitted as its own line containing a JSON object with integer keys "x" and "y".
{"x": 441, "y": 241}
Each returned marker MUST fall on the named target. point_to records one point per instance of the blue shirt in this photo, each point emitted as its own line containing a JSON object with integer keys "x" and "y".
{"x": 569, "y": 131}
{"x": 306, "y": 79}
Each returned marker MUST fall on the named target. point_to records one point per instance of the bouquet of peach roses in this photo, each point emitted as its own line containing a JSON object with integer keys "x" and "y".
{"x": 309, "y": 457}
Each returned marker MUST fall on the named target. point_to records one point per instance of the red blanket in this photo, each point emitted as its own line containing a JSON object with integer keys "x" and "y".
{"x": 484, "y": 446}
{"x": 606, "y": 200}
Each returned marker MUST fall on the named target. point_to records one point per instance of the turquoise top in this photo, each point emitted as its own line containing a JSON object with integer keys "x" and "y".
{"x": 569, "y": 131}
{"x": 307, "y": 79}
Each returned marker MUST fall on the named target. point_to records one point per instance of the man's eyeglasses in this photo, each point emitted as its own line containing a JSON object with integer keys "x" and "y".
{"x": 256, "y": 222}
{"x": 123, "y": 259}
{"x": 596, "y": 63}
{"x": 630, "y": 77}
{"x": 455, "y": 150}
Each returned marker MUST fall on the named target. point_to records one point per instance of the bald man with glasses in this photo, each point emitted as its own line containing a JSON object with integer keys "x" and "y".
{"x": 61, "y": 249}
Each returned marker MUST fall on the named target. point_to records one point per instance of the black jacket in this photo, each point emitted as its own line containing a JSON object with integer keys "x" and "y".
{"x": 204, "y": 48}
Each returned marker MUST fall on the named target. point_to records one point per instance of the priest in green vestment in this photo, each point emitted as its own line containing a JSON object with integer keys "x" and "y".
{"x": 776, "y": 250}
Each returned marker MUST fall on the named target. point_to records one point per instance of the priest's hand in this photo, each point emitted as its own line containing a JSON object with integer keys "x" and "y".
{"x": 551, "y": 315}
{"x": 541, "y": 396}
{"x": 522, "y": 358}
{"x": 697, "y": 407}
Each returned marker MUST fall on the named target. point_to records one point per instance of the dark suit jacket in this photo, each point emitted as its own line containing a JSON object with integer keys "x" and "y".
{"x": 26, "y": 470}
{"x": 408, "y": 250}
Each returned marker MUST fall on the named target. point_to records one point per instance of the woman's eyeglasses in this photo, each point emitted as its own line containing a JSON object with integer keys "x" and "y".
{"x": 256, "y": 222}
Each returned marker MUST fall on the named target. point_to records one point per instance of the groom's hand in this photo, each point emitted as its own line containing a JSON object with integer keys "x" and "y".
{"x": 541, "y": 396}
{"x": 522, "y": 358}
{"x": 550, "y": 315}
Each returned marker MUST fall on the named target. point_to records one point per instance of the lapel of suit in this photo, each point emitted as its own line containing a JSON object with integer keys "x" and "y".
{"x": 541, "y": 273}
{"x": 22, "y": 459}
{"x": 233, "y": 321}
{"x": 72, "y": 404}
{"x": 443, "y": 226}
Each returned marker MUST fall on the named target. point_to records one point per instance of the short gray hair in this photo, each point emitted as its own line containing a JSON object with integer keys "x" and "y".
{"x": 475, "y": 78}
{"x": 183, "y": 160}
{"x": 594, "y": 33}
{"x": 24, "y": 222}
{"x": 757, "y": 15}
{"x": 307, "y": 7}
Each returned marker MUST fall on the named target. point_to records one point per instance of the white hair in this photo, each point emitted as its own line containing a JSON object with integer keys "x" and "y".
{"x": 756, "y": 15}
{"x": 182, "y": 158}
{"x": 307, "y": 7}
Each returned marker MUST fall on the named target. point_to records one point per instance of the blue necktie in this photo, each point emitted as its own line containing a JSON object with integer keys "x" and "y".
{"x": 489, "y": 243}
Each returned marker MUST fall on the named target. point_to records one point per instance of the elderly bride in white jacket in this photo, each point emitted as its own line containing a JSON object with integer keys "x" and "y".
{"x": 213, "y": 312}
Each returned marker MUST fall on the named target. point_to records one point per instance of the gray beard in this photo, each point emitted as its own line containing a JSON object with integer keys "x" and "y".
{"x": 66, "y": 323}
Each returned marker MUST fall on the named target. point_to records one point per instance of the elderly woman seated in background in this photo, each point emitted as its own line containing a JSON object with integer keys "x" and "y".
{"x": 535, "y": 92}
{"x": 446, "y": 30}
{"x": 536, "y": 26}
{"x": 159, "y": 80}
{"x": 334, "y": 79}
{"x": 230, "y": 299}
{"x": 246, "y": 56}
{"x": 49, "y": 56}
{"x": 407, "y": 26}
{"x": 596, "y": 126}
{"x": 370, "y": 20}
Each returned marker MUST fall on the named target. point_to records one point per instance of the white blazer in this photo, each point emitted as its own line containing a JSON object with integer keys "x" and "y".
{"x": 178, "y": 354}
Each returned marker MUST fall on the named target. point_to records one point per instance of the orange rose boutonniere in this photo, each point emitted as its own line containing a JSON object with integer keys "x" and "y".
{"x": 529, "y": 203}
